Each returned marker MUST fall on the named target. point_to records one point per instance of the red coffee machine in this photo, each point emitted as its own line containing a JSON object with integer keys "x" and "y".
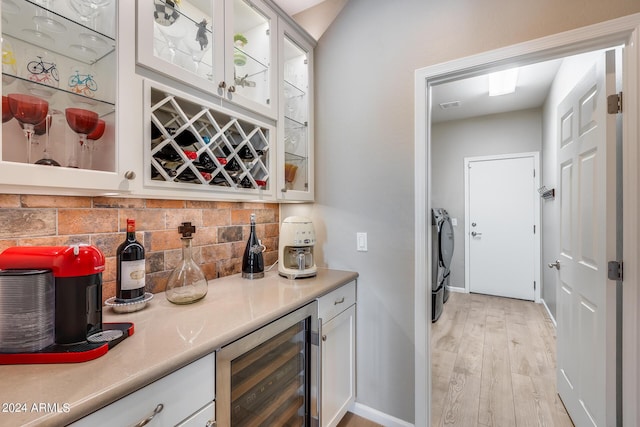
{"x": 72, "y": 304}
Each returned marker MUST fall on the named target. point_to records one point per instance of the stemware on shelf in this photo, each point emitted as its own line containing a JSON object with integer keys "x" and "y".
{"x": 88, "y": 10}
{"x": 28, "y": 111}
{"x": 9, "y": 64}
{"x": 93, "y": 137}
{"x": 44, "y": 128}
{"x": 41, "y": 67}
{"x": 198, "y": 45}
{"x": 6, "y": 111}
{"x": 82, "y": 122}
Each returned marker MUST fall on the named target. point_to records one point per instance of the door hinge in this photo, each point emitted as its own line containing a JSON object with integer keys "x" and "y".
{"x": 614, "y": 270}
{"x": 614, "y": 103}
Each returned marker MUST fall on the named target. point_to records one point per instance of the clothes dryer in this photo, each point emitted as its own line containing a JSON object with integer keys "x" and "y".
{"x": 442, "y": 253}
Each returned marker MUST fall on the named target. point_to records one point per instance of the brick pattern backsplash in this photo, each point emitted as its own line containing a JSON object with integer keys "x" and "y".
{"x": 222, "y": 229}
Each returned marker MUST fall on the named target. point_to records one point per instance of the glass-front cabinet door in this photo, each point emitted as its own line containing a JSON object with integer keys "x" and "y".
{"x": 250, "y": 74}
{"x": 223, "y": 47}
{"x": 58, "y": 90}
{"x": 182, "y": 39}
{"x": 295, "y": 124}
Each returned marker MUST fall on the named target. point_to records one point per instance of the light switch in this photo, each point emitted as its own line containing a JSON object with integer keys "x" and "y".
{"x": 454, "y": 222}
{"x": 361, "y": 242}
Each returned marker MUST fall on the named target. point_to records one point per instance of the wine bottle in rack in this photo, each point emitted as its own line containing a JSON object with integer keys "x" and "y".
{"x": 130, "y": 267}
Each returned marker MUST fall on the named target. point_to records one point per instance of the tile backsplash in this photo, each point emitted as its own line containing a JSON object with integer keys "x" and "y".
{"x": 221, "y": 230}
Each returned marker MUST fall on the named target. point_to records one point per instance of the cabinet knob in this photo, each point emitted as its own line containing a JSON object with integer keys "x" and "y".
{"x": 324, "y": 338}
{"x": 211, "y": 423}
{"x": 222, "y": 84}
{"x": 231, "y": 89}
{"x": 130, "y": 175}
{"x": 284, "y": 190}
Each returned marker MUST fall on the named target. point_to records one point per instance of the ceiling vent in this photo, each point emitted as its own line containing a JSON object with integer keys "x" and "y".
{"x": 450, "y": 105}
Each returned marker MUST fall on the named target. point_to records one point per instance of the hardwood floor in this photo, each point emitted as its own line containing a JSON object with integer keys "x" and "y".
{"x": 493, "y": 364}
{"x": 352, "y": 420}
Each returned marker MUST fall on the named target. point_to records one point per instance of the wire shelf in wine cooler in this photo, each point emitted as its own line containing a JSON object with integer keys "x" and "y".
{"x": 198, "y": 145}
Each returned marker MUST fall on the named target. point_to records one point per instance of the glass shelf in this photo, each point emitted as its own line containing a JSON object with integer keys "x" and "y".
{"x": 102, "y": 107}
{"x": 34, "y": 24}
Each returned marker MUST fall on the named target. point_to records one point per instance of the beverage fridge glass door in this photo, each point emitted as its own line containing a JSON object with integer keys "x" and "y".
{"x": 270, "y": 377}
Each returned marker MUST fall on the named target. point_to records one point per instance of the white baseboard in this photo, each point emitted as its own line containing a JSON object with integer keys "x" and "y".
{"x": 553, "y": 319}
{"x": 377, "y": 416}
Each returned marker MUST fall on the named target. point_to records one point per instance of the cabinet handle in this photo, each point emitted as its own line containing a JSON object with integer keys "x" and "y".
{"x": 222, "y": 84}
{"x": 284, "y": 190}
{"x": 211, "y": 423}
{"x": 324, "y": 338}
{"x": 339, "y": 301}
{"x": 130, "y": 175}
{"x": 147, "y": 420}
{"x": 231, "y": 89}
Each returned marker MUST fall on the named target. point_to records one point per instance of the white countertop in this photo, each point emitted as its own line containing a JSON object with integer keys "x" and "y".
{"x": 166, "y": 337}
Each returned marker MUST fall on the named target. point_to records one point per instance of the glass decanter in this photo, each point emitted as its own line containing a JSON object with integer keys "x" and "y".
{"x": 187, "y": 283}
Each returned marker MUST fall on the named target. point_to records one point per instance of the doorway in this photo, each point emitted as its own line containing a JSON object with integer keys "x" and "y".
{"x": 502, "y": 242}
{"x": 620, "y": 31}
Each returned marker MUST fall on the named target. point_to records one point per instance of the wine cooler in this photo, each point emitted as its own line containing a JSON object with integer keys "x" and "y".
{"x": 270, "y": 377}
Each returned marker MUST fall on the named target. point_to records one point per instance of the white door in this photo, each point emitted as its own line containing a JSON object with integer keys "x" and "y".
{"x": 501, "y": 226}
{"x": 586, "y": 300}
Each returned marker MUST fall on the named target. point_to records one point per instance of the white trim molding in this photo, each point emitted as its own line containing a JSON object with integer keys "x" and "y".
{"x": 377, "y": 416}
{"x": 617, "y": 32}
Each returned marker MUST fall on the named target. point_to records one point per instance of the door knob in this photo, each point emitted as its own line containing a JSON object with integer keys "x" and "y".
{"x": 474, "y": 234}
{"x": 555, "y": 265}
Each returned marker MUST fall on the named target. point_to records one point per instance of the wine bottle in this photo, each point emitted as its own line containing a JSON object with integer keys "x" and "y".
{"x": 130, "y": 268}
{"x": 252, "y": 262}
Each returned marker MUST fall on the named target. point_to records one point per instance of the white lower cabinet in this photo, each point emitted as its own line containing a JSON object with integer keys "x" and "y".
{"x": 338, "y": 384}
{"x": 184, "y": 397}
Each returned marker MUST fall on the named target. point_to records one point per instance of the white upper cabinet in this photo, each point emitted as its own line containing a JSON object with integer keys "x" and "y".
{"x": 59, "y": 93}
{"x": 225, "y": 48}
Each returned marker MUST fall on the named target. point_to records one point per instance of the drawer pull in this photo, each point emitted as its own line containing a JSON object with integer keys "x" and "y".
{"x": 147, "y": 420}
{"x": 339, "y": 301}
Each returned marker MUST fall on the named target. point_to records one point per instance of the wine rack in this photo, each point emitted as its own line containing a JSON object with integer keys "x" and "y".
{"x": 203, "y": 146}
{"x": 267, "y": 383}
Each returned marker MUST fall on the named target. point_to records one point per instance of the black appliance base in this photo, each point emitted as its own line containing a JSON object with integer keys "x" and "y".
{"x": 71, "y": 353}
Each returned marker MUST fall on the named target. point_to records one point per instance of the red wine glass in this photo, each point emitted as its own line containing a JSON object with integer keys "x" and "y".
{"x": 29, "y": 111}
{"x": 82, "y": 122}
{"x": 43, "y": 128}
{"x": 6, "y": 111}
{"x": 94, "y": 136}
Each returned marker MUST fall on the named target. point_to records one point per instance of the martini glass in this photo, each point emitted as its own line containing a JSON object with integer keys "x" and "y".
{"x": 94, "y": 136}
{"x": 82, "y": 122}
{"x": 29, "y": 111}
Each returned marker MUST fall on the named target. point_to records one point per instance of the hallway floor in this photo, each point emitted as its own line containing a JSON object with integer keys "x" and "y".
{"x": 493, "y": 364}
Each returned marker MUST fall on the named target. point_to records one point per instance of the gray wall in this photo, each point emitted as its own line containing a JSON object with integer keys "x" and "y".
{"x": 365, "y": 64}
{"x": 452, "y": 141}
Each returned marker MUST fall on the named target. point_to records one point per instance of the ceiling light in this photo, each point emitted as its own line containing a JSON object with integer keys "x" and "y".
{"x": 503, "y": 82}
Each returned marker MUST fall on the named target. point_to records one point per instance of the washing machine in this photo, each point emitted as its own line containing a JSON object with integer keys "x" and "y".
{"x": 442, "y": 253}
